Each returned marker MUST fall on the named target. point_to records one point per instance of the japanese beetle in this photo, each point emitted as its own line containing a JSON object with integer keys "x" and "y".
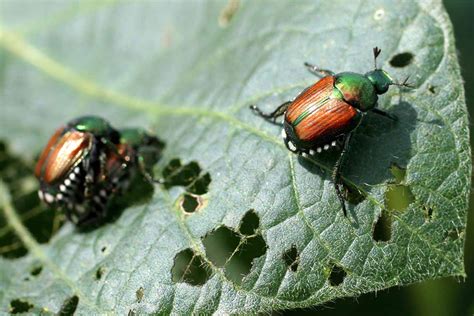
{"x": 327, "y": 113}
{"x": 86, "y": 162}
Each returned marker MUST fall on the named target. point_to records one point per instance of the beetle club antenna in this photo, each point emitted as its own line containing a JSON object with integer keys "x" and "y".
{"x": 376, "y": 51}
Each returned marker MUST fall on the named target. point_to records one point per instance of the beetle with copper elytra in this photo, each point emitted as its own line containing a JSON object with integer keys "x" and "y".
{"x": 87, "y": 162}
{"x": 326, "y": 113}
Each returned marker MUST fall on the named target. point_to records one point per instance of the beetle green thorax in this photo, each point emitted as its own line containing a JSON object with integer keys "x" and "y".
{"x": 380, "y": 79}
{"x": 357, "y": 90}
{"x": 92, "y": 124}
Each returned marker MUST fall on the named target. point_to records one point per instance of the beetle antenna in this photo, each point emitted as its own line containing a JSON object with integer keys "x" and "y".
{"x": 376, "y": 51}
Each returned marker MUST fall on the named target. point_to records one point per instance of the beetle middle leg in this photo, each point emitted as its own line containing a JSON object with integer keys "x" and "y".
{"x": 336, "y": 174}
{"x": 280, "y": 110}
{"x": 315, "y": 70}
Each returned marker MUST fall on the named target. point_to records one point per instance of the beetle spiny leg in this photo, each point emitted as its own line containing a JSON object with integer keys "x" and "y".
{"x": 279, "y": 111}
{"x": 315, "y": 70}
{"x": 259, "y": 112}
{"x": 336, "y": 174}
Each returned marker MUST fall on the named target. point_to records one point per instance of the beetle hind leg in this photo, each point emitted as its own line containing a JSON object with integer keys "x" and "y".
{"x": 315, "y": 70}
{"x": 336, "y": 174}
{"x": 272, "y": 116}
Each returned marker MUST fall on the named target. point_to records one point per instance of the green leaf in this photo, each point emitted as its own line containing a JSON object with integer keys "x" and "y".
{"x": 269, "y": 233}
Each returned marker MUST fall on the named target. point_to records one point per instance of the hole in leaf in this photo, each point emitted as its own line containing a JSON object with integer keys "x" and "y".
{"x": 291, "y": 258}
{"x": 352, "y": 194}
{"x": 249, "y": 224}
{"x": 188, "y": 176}
{"x": 99, "y": 273}
{"x": 36, "y": 270}
{"x": 175, "y": 174}
{"x": 236, "y": 251}
{"x": 139, "y": 294}
{"x": 190, "y": 203}
{"x": 220, "y": 244}
{"x": 337, "y": 275}
{"x": 69, "y": 306}
{"x": 383, "y": 227}
{"x": 398, "y": 196}
{"x": 190, "y": 268}
{"x": 399, "y": 173}
{"x": 201, "y": 185}
{"x": 402, "y": 60}
{"x": 228, "y": 12}
{"x": 432, "y": 89}
{"x": 428, "y": 213}
{"x": 18, "y": 306}
{"x": 241, "y": 262}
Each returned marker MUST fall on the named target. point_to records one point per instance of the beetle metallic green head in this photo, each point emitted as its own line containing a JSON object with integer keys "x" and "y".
{"x": 147, "y": 147}
{"x": 96, "y": 126}
{"x": 380, "y": 79}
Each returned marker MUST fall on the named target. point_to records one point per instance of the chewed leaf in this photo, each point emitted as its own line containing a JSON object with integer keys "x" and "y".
{"x": 240, "y": 225}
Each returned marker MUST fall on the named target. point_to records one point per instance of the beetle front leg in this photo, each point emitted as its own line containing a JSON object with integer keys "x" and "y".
{"x": 336, "y": 174}
{"x": 280, "y": 110}
{"x": 318, "y": 71}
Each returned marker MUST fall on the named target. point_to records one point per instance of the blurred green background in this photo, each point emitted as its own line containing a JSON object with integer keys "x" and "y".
{"x": 437, "y": 297}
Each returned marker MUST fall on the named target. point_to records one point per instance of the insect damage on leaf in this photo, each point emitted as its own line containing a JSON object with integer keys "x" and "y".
{"x": 196, "y": 100}
{"x": 337, "y": 275}
{"x": 236, "y": 250}
{"x": 402, "y": 60}
{"x": 69, "y": 306}
{"x": 19, "y": 306}
{"x": 189, "y": 176}
{"x": 190, "y": 268}
{"x": 382, "y": 230}
{"x": 291, "y": 258}
{"x": 398, "y": 195}
{"x": 190, "y": 203}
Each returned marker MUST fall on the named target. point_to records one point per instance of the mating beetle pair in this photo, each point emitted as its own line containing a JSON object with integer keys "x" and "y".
{"x": 87, "y": 161}
{"x": 327, "y": 113}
